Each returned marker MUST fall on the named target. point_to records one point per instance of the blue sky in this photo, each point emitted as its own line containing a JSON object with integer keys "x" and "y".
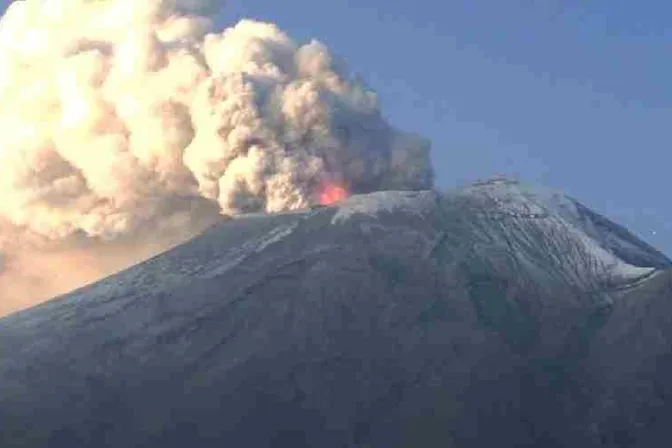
{"x": 572, "y": 94}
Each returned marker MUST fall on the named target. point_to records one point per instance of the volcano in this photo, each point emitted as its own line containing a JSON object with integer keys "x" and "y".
{"x": 495, "y": 314}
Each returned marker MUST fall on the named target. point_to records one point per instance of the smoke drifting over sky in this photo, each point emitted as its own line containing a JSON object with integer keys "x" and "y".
{"x": 127, "y": 126}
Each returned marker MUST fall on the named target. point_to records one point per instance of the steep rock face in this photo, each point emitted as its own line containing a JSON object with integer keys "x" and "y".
{"x": 492, "y": 315}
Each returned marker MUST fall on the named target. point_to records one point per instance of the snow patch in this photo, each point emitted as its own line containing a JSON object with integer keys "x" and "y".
{"x": 613, "y": 266}
{"x": 236, "y": 256}
{"x": 413, "y": 202}
{"x": 549, "y": 207}
{"x": 514, "y": 199}
{"x": 276, "y": 235}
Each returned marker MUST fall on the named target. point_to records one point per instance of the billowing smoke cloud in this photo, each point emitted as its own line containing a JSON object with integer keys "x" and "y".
{"x": 129, "y": 124}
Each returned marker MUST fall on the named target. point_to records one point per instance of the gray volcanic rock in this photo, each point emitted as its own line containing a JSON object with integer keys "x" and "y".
{"x": 491, "y": 315}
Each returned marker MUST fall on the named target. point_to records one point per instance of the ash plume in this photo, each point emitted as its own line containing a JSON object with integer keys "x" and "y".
{"x": 128, "y": 125}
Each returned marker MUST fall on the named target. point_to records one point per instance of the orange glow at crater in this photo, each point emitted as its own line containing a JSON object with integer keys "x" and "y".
{"x": 331, "y": 193}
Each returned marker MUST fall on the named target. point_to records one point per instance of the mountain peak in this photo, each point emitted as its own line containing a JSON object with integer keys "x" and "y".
{"x": 506, "y": 214}
{"x": 510, "y": 197}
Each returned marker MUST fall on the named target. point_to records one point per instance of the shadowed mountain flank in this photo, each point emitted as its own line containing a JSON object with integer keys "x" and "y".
{"x": 497, "y": 314}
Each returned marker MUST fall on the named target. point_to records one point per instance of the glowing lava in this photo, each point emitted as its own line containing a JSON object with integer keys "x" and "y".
{"x": 331, "y": 193}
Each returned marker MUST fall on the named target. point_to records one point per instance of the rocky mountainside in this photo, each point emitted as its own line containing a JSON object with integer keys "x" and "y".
{"x": 496, "y": 314}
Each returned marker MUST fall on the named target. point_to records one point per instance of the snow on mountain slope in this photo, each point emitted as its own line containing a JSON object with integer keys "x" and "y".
{"x": 374, "y": 204}
{"x": 614, "y": 254}
{"x": 621, "y": 256}
{"x": 340, "y": 327}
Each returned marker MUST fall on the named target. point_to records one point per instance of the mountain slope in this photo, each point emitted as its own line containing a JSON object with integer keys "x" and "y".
{"x": 492, "y": 315}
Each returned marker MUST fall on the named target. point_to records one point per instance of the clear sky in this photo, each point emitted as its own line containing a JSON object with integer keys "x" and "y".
{"x": 573, "y": 94}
